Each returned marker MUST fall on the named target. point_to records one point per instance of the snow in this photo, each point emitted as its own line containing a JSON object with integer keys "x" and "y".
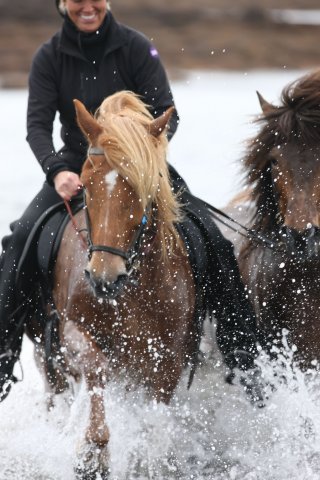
{"x": 296, "y": 16}
{"x": 216, "y": 112}
{"x": 211, "y": 431}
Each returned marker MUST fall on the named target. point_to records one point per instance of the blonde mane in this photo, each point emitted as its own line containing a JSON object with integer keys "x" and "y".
{"x": 140, "y": 158}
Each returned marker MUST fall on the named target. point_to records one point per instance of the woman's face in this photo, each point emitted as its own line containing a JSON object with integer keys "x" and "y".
{"x": 87, "y": 15}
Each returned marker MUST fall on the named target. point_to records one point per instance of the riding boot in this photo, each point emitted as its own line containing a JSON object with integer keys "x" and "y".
{"x": 250, "y": 379}
{"x": 10, "y": 332}
{"x": 236, "y": 332}
{"x": 14, "y": 292}
{"x": 7, "y": 361}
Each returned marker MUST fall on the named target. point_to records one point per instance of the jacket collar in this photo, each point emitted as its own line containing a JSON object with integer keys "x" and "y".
{"x": 114, "y": 38}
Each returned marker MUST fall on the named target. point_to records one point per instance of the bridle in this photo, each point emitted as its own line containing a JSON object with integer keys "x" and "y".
{"x": 132, "y": 254}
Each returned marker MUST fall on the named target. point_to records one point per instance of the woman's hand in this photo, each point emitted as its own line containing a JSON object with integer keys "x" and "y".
{"x": 67, "y": 184}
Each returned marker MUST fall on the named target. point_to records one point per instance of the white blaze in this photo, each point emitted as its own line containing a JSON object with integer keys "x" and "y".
{"x": 111, "y": 180}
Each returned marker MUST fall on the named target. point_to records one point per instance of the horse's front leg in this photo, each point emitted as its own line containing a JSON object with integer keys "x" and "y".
{"x": 94, "y": 455}
{"x": 96, "y": 376}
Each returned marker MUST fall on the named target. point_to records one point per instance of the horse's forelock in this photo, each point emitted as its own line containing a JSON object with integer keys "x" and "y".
{"x": 139, "y": 157}
{"x": 296, "y": 119}
{"x": 123, "y": 103}
{"x": 298, "y": 115}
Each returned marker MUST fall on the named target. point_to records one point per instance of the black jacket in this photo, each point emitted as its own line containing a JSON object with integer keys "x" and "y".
{"x": 61, "y": 71}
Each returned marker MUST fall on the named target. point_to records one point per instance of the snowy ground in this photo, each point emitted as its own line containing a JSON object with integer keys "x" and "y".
{"x": 210, "y": 432}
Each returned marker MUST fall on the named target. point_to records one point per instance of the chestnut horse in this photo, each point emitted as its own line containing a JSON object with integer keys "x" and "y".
{"x": 130, "y": 297}
{"x": 282, "y": 271}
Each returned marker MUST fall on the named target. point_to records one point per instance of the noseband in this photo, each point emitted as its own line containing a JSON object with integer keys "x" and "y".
{"x": 131, "y": 255}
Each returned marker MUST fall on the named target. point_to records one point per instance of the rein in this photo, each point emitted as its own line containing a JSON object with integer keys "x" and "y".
{"x": 75, "y": 226}
{"x": 247, "y": 232}
{"x": 131, "y": 254}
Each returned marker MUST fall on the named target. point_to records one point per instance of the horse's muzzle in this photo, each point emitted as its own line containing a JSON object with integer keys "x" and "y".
{"x": 104, "y": 289}
{"x": 304, "y": 246}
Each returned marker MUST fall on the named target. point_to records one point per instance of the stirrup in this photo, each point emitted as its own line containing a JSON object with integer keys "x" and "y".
{"x": 252, "y": 384}
{"x": 7, "y": 379}
{"x": 249, "y": 376}
{"x": 6, "y": 387}
{"x": 254, "y": 387}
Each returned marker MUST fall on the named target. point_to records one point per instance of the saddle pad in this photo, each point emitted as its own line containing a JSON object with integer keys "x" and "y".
{"x": 42, "y": 243}
{"x": 50, "y": 238}
{"x": 28, "y": 257}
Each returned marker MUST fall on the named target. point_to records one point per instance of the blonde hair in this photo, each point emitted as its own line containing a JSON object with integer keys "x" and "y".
{"x": 63, "y": 10}
{"x": 140, "y": 158}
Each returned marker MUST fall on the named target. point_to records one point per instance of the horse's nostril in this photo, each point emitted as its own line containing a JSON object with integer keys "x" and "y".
{"x": 87, "y": 274}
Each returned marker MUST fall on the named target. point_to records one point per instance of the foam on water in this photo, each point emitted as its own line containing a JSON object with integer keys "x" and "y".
{"x": 209, "y": 432}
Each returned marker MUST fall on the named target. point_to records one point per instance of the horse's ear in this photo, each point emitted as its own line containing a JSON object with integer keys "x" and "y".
{"x": 89, "y": 126}
{"x": 159, "y": 124}
{"x": 266, "y": 107}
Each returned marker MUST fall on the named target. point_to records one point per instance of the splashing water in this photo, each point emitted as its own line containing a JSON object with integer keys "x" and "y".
{"x": 209, "y": 432}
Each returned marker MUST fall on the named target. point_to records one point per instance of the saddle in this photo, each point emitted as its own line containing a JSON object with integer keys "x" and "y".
{"x": 50, "y": 238}
{"x": 43, "y": 243}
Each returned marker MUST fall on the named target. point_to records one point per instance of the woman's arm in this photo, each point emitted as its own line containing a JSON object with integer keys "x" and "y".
{"x": 42, "y": 108}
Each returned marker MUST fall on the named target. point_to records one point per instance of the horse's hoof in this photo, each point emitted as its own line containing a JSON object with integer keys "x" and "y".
{"x": 91, "y": 474}
{"x": 93, "y": 463}
{"x": 87, "y": 475}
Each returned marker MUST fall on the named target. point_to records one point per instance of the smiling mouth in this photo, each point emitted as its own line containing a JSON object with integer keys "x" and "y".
{"x": 88, "y": 18}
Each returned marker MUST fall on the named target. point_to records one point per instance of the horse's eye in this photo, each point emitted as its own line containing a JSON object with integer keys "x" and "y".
{"x": 273, "y": 161}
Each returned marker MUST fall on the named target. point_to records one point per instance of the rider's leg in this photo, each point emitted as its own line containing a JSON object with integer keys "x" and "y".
{"x": 237, "y": 331}
{"x": 13, "y": 245}
{"x": 236, "y": 328}
{"x": 236, "y": 322}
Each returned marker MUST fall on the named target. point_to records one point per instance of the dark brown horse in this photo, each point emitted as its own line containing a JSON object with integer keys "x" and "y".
{"x": 129, "y": 307}
{"x": 283, "y": 170}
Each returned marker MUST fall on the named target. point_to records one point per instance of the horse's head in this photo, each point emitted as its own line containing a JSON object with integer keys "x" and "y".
{"x": 284, "y": 168}
{"x": 126, "y": 181}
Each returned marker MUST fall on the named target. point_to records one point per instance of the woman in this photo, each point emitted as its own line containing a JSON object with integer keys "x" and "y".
{"x": 90, "y": 58}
